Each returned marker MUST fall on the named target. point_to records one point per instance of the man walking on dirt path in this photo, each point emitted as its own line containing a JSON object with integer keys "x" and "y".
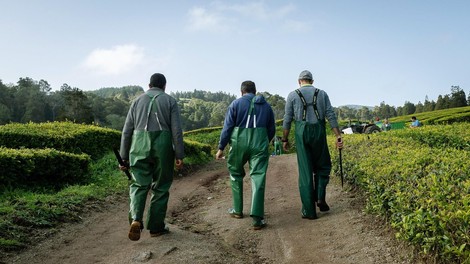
{"x": 309, "y": 106}
{"x": 249, "y": 127}
{"x": 151, "y": 142}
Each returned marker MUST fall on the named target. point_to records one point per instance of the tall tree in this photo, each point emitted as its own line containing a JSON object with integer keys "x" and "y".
{"x": 457, "y": 97}
{"x": 419, "y": 107}
{"x": 408, "y": 108}
{"x": 218, "y": 114}
{"x": 364, "y": 113}
{"x": 443, "y": 102}
{"x": 385, "y": 111}
{"x": 428, "y": 105}
{"x": 76, "y": 105}
{"x": 30, "y": 102}
{"x": 278, "y": 104}
{"x": 6, "y": 107}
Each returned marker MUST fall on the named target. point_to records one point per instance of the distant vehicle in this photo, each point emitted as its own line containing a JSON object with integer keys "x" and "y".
{"x": 360, "y": 128}
{"x": 370, "y": 128}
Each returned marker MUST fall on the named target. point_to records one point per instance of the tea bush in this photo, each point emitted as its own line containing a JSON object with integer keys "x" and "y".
{"x": 41, "y": 166}
{"x": 64, "y": 136}
{"x": 418, "y": 179}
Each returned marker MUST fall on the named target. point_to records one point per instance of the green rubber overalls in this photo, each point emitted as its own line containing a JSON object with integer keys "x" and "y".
{"x": 151, "y": 160}
{"x": 313, "y": 158}
{"x": 249, "y": 144}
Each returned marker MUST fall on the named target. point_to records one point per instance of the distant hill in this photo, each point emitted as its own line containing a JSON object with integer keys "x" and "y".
{"x": 125, "y": 92}
{"x": 357, "y": 107}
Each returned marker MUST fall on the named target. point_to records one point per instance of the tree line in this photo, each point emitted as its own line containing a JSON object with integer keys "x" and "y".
{"x": 34, "y": 101}
{"x": 456, "y": 98}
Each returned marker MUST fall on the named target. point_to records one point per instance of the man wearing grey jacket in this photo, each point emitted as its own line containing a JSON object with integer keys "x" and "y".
{"x": 309, "y": 107}
{"x": 152, "y": 144}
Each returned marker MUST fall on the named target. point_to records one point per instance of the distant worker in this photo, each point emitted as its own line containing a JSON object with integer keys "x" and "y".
{"x": 277, "y": 145}
{"x": 249, "y": 127}
{"x": 415, "y": 122}
{"x": 151, "y": 143}
{"x": 386, "y": 125}
{"x": 309, "y": 106}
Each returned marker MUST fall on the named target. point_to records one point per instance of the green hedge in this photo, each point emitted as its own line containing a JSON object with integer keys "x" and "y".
{"x": 196, "y": 153}
{"x": 41, "y": 166}
{"x": 209, "y": 136}
{"x": 421, "y": 186}
{"x": 65, "y": 136}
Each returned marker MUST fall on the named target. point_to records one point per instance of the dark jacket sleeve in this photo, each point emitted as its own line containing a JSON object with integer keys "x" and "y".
{"x": 271, "y": 125}
{"x": 229, "y": 124}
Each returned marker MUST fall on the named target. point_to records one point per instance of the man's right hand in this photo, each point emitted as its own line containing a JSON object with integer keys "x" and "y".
{"x": 285, "y": 146}
{"x": 126, "y": 167}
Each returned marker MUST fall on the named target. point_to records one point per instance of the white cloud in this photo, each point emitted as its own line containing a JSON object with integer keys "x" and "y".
{"x": 202, "y": 19}
{"x": 221, "y": 17}
{"x": 114, "y": 61}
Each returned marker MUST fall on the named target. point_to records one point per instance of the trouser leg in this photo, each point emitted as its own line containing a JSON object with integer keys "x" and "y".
{"x": 322, "y": 169}
{"x": 258, "y": 168}
{"x": 159, "y": 201}
{"x": 306, "y": 184}
{"x": 138, "y": 190}
{"x": 235, "y": 165}
{"x": 236, "y": 182}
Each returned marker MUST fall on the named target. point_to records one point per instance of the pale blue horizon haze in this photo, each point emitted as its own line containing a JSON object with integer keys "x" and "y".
{"x": 360, "y": 52}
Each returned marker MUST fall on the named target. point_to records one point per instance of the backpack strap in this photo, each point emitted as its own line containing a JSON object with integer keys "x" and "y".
{"x": 305, "y": 105}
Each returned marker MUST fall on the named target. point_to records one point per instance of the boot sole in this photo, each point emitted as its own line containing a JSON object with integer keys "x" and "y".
{"x": 134, "y": 232}
{"x": 237, "y": 216}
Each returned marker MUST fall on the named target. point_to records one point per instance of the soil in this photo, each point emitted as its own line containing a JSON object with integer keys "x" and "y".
{"x": 201, "y": 231}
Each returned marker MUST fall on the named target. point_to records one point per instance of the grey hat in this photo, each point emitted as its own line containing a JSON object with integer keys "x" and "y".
{"x": 305, "y": 75}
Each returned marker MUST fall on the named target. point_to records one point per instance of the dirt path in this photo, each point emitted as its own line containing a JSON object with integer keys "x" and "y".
{"x": 202, "y": 232}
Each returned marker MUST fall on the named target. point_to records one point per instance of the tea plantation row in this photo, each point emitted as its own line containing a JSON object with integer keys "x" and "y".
{"x": 419, "y": 180}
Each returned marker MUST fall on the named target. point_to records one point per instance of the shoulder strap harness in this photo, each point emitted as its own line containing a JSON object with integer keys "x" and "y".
{"x": 304, "y": 102}
{"x": 252, "y": 109}
{"x": 150, "y": 110}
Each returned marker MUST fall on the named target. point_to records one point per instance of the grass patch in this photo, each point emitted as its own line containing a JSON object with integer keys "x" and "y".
{"x": 25, "y": 214}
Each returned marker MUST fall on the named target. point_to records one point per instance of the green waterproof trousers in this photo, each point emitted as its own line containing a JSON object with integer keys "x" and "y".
{"x": 314, "y": 162}
{"x": 248, "y": 145}
{"x": 152, "y": 164}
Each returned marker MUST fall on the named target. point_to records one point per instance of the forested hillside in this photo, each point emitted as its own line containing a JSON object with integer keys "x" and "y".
{"x": 34, "y": 101}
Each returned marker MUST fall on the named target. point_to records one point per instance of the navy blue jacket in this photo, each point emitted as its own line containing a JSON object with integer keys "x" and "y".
{"x": 237, "y": 114}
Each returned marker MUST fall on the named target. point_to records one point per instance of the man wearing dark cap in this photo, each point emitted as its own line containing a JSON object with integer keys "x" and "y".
{"x": 308, "y": 106}
{"x": 151, "y": 145}
{"x": 248, "y": 127}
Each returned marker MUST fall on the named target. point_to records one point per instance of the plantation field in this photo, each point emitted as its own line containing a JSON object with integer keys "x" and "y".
{"x": 416, "y": 179}
{"x": 442, "y": 117}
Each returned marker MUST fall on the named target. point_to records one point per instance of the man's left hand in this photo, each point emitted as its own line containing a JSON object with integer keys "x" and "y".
{"x": 179, "y": 164}
{"x": 220, "y": 154}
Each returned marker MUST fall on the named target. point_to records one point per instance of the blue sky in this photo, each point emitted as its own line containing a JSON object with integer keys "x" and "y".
{"x": 360, "y": 52}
